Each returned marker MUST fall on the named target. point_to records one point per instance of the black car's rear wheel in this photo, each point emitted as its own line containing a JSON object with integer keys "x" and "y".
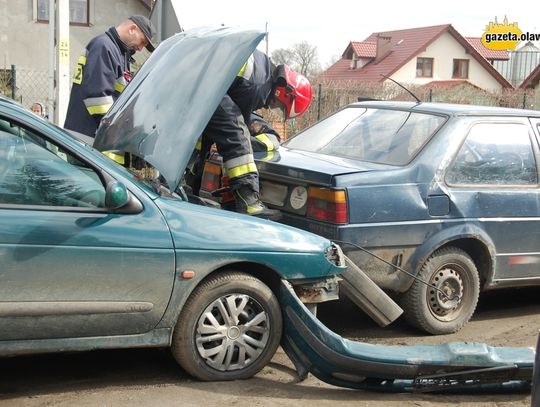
{"x": 229, "y": 328}
{"x": 450, "y": 300}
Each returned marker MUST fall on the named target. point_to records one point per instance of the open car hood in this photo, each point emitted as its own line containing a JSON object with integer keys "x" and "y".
{"x": 166, "y": 106}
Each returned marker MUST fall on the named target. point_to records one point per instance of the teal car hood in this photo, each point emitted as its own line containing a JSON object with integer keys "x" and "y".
{"x": 197, "y": 227}
{"x": 166, "y": 106}
{"x": 217, "y": 238}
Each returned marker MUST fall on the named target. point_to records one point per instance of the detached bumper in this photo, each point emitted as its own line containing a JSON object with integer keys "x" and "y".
{"x": 457, "y": 366}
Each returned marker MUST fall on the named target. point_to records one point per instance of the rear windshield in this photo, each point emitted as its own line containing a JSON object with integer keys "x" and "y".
{"x": 377, "y": 135}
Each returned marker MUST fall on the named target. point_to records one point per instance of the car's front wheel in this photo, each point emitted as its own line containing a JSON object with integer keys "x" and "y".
{"x": 449, "y": 301}
{"x": 229, "y": 328}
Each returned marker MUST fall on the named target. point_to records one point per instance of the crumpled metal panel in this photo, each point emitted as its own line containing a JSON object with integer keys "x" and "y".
{"x": 165, "y": 108}
{"x": 458, "y": 366}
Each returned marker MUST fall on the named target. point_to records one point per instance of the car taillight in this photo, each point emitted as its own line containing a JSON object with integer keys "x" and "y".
{"x": 329, "y": 205}
{"x": 211, "y": 179}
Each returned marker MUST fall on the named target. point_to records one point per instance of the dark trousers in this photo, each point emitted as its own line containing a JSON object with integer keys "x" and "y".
{"x": 229, "y": 131}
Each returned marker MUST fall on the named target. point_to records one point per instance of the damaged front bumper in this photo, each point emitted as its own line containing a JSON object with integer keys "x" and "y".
{"x": 454, "y": 366}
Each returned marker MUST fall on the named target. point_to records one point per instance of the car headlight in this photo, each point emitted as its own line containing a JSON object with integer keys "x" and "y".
{"x": 334, "y": 254}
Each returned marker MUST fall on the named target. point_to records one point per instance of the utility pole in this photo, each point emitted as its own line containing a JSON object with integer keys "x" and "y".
{"x": 164, "y": 15}
{"x": 51, "y": 108}
{"x": 59, "y": 77}
{"x": 266, "y": 30}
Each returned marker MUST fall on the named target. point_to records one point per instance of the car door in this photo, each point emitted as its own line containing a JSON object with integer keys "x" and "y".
{"x": 69, "y": 268}
{"x": 494, "y": 183}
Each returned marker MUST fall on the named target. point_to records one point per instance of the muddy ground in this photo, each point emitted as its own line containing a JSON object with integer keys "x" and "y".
{"x": 150, "y": 377}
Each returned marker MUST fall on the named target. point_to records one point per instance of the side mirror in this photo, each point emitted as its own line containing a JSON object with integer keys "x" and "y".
{"x": 116, "y": 195}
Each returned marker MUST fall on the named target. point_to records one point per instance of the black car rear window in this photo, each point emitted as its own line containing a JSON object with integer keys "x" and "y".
{"x": 377, "y": 135}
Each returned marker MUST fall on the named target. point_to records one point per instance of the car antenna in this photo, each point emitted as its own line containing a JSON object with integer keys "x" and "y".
{"x": 403, "y": 87}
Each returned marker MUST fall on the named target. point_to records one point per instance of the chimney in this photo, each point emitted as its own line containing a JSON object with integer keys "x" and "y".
{"x": 384, "y": 47}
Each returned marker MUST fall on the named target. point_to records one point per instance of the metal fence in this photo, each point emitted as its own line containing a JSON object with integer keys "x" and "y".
{"x": 519, "y": 64}
{"x": 331, "y": 96}
{"x": 28, "y": 86}
{"x": 25, "y": 85}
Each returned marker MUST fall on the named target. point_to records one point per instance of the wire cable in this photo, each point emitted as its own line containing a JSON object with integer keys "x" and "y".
{"x": 455, "y": 297}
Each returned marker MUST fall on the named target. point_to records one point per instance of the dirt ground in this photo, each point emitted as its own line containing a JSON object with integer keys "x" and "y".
{"x": 149, "y": 377}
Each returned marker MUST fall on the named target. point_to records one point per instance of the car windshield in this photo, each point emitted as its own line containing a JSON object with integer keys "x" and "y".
{"x": 381, "y": 136}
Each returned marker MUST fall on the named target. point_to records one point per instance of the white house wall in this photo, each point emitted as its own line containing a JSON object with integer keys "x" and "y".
{"x": 443, "y": 51}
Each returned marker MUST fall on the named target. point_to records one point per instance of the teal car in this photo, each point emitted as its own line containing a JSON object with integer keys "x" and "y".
{"x": 93, "y": 257}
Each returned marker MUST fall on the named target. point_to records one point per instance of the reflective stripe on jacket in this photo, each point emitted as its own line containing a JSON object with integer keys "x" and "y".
{"x": 227, "y": 127}
{"x": 264, "y": 142}
{"x": 240, "y": 166}
{"x": 97, "y": 82}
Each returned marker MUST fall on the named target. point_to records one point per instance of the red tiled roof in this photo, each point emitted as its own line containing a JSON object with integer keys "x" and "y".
{"x": 414, "y": 41}
{"x": 489, "y": 54}
{"x": 532, "y": 80}
{"x": 362, "y": 49}
{"x": 405, "y": 45}
{"x": 445, "y": 84}
{"x": 448, "y": 84}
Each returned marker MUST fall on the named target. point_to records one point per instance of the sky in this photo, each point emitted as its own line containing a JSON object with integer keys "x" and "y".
{"x": 331, "y": 25}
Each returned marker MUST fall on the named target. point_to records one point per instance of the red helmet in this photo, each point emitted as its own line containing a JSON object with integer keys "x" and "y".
{"x": 293, "y": 90}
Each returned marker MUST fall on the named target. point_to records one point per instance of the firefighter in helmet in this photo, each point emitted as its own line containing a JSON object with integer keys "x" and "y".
{"x": 259, "y": 84}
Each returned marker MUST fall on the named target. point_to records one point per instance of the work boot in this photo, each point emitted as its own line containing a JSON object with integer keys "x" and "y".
{"x": 248, "y": 202}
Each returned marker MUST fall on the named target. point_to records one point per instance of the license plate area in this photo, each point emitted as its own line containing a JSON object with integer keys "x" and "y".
{"x": 274, "y": 194}
{"x": 289, "y": 198}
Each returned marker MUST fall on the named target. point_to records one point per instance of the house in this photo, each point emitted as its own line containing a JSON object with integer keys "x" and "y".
{"x": 533, "y": 80}
{"x": 492, "y": 55}
{"x": 417, "y": 56}
{"x": 24, "y": 38}
{"x": 516, "y": 65}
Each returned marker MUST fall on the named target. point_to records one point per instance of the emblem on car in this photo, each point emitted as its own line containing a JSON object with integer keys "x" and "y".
{"x": 298, "y": 197}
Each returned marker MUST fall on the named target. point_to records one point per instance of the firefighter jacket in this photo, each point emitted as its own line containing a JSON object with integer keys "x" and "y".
{"x": 253, "y": 84}
{"x": 101, "y": 74}
{"x": 227, "y": 127}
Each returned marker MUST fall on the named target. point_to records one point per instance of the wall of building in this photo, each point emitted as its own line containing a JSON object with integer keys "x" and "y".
{"x": 24, "y": 42}
{"x": 443, "y": 51}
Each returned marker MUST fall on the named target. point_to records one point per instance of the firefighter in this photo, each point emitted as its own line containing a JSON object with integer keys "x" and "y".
{"x": 103, "y": 71}
{"x": 263, "y": 139}
{"x": 258, "y": 84}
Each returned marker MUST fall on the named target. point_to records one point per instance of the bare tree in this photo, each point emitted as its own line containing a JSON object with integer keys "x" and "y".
{"x": 282, "y": 56}
{"x": 301, "y": 57}
{"x": 333, "y": 59}
{"x": 306, "y": 57}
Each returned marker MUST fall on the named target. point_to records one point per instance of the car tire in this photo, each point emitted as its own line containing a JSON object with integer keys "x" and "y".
{"x": 229, "y": 328}
{"x": 454, "y": 272}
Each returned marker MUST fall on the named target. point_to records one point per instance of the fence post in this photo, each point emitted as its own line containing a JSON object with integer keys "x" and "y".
{"x": 524, "y": 98}
{"x": 319, "y": 103}
{"x": 430, "y": 94}
{"x": 13, "y": 82}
